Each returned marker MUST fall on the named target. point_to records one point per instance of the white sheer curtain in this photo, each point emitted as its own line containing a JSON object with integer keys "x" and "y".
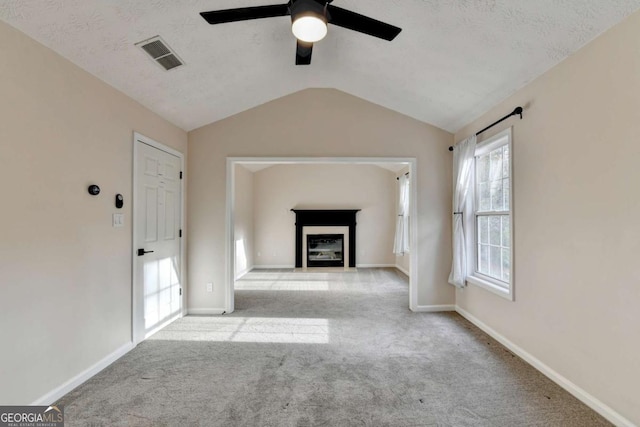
{"x": 401, "y": 243}
{"x": 463, "y": 155}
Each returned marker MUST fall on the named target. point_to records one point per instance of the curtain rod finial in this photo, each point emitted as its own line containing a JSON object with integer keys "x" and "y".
{"x": 451, "y": 148}
{"x": 518, "y": 110}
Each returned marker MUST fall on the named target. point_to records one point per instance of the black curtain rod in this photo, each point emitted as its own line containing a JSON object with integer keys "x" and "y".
{"x": 406, "y": 174}
{"x": 518, "y": 110}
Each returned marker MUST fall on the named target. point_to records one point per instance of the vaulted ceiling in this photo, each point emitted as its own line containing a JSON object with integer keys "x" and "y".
{"x": 453, "y": 60}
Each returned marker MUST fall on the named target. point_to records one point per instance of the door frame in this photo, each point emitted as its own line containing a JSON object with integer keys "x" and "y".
{"x": 230, "y": 214}
{"x": 136, "y": 288}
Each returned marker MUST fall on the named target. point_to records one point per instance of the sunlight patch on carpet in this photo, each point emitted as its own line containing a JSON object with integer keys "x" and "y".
{"x": 248, "y": 329}
{"x": 281, "y": 285}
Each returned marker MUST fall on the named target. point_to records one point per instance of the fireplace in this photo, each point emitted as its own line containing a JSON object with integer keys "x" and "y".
{"x": 325, "y": 250}
{"x": 327, "y": 218}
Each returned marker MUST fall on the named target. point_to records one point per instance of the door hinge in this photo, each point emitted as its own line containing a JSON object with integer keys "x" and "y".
{"x": 180, "y": 291}
{"x": 180, "y": 174}
{"x": 180, "y": 233}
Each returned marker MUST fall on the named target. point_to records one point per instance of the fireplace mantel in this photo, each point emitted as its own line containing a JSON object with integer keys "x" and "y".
{"x": 327, "y": 218}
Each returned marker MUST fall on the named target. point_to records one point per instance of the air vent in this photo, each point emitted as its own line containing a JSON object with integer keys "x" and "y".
{"x": 160, "y": 52}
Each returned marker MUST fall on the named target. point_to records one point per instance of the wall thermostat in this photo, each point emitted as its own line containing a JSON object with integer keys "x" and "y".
{"x": 94, "y": 190}
{"x": 119, "y": 201}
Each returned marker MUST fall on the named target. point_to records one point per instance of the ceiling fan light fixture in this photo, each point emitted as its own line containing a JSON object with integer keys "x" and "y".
{"x": 309, "y": 20}
{"x": 309, "y": 28}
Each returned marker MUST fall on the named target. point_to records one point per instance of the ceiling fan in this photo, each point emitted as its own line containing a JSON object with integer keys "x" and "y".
{"x": 309, "y": 20}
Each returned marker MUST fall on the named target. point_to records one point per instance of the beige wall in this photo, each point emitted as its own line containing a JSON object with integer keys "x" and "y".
{"x": 577, "y": 232}
{"x": 280, "y": 188}
{"x": 66, "y": 273}
{"x": 402, "y": 261}
{"x": 317, "y": 123}
{"x": 243, "y": 220}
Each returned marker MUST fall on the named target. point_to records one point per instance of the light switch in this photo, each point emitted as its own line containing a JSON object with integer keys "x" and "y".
{"x": 118, "y": 220}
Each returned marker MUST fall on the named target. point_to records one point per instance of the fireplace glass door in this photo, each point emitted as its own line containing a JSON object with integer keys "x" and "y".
{"x": 325, "y": 250}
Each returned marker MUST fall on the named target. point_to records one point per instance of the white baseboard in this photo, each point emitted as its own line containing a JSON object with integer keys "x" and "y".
{"x": 243, "y": 272}
{"x": 403, "y": 270}
{"x": 374, "y": 265}
{"x": 55, "y": 394}
{"x": 163, "y": 325}
{"x": 205, "y": 311}
{"x": 433, "y": 308}
{"x": 586, "y": 398}
{"x": 291, "y": 266}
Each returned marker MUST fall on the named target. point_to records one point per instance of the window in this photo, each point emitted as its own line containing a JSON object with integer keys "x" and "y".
{"x": 492, "y": 221}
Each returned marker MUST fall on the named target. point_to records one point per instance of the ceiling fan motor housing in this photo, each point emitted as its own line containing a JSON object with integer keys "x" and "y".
{"x": 300, "y": 8}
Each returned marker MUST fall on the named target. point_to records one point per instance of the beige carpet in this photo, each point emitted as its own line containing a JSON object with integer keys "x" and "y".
{"x": 323, "y": 349}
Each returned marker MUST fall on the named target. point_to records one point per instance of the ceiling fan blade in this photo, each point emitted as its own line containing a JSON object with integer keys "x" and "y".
{"x": 303, "y": 53}
{"x": 363, "y": 24}
{"x": 245, "y": 13}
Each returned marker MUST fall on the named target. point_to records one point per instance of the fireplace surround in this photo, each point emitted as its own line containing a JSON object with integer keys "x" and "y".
{"x": 326, "y": 218}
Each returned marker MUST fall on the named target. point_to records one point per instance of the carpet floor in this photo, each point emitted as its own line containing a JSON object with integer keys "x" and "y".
{"x": 323, "y": 349}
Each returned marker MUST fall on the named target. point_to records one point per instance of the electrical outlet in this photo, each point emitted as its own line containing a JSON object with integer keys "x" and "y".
{"x": 259, "y": 254}
{"x": 209, "y": 287}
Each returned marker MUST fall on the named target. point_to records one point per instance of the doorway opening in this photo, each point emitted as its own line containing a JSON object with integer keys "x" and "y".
{"x": 238, "y": 254}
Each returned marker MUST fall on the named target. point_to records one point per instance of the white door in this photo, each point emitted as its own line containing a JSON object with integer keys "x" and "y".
{"x": 157, "y": 251}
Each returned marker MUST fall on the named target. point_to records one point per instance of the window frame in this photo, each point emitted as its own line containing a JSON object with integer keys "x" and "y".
{"x": 496, "y": 286}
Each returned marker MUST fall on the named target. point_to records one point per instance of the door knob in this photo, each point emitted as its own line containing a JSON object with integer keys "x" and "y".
{"x": 142, "y": 252}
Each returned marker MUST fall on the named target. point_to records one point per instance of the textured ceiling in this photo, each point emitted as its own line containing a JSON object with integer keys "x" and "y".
{"x": 452, "y": 61}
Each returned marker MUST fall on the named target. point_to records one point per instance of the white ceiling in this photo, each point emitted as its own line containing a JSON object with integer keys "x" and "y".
{"x": 452, "y": 61}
